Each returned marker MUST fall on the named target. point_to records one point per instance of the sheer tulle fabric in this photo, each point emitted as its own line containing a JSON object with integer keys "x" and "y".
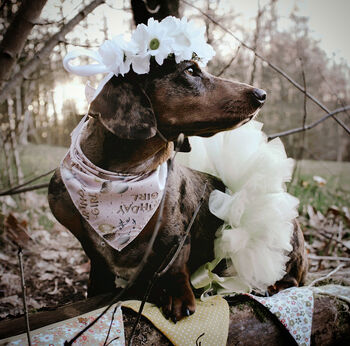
{"x": 256, "y": 210}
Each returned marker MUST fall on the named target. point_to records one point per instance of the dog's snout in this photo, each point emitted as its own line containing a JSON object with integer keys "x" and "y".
{"x": 260, "y": 95}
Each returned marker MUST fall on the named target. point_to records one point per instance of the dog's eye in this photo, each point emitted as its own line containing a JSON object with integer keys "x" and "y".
{"x": 191, "y": 71}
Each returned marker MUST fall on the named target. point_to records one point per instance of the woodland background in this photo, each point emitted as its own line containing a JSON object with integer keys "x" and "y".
{"x": 40, "y": 103}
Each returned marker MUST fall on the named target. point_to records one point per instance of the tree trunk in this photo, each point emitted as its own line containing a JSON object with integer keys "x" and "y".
{"x": 14, "y": 147}
{"x": 256, "y": 42}
{"x": 16, "y": 35}
{"x": 33, "y": 64}
{"x": 158, "y": 9}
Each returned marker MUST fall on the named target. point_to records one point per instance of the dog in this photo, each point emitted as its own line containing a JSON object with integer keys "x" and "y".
{"x": 123, "y": 135}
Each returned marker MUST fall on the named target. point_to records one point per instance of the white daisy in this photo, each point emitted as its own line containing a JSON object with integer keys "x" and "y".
{"x": 189, "y": 39}
{"x": 117, "y": 54}
{"x": 152, "y": 40}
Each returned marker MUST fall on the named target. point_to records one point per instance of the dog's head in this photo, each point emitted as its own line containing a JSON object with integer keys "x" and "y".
{"x": 174, "y": 98}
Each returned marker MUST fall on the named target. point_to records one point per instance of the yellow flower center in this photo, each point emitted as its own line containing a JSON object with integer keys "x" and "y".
{"x": 154, "y": 44}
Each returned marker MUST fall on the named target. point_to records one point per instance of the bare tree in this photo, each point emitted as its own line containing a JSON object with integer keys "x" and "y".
{"x": 34, "y": 63}
{"x": 16, "y": 35}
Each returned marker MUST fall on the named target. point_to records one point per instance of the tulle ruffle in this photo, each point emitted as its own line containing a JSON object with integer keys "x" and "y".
{"x": 256, "y": 210}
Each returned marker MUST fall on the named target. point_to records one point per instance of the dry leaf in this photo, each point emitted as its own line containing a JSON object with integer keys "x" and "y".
{"x": 50, "y": 255}
{"x": 83, "y": 268}
{"x": 16, "y": 231}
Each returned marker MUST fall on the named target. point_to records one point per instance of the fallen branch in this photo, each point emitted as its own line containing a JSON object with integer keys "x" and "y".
{"x": 273, "y": 66}
{"x": 310, "y": 126}
{"x": 17, "y": 189}
{"x": 329, "y": 258}
{"x": 23, "y": 286}
{"x": 26, "y": 189}
{"x": 323, "y": 233}
{"x": 326, "y": 276}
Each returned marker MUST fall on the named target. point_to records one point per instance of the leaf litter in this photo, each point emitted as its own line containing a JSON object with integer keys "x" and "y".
{"x": 55, "y": 267}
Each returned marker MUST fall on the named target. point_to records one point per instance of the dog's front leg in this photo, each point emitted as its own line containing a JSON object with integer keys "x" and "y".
{"x": 101, "y": 280}
{"x": 178, "y": 299}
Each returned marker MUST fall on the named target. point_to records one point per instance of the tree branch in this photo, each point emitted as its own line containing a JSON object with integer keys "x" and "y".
{"x": 274, "y": 67}
{"x": 25, "y": 189}
{"x": 310, "y": 126}
{"x": 16, "y": 188}
{"x": 16, "y": 35}
{"x": 230, "y": 62}
{"x": 43, "y": 54}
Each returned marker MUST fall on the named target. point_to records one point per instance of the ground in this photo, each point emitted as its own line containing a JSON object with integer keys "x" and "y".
{"x": 56, "y": 269}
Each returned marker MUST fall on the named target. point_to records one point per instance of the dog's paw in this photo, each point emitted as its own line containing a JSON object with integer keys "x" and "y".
{"x": 177, "y": 307}
{"x": 287, "y": 282}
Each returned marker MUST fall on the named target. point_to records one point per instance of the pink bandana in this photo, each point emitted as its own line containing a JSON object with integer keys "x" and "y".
{"x": 117, "y": 206}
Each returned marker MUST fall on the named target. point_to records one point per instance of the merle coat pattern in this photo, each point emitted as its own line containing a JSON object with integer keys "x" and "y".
{"x": 122, "y": 136}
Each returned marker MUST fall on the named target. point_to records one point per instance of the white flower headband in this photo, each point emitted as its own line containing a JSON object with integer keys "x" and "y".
{"x": 170, "y": 37}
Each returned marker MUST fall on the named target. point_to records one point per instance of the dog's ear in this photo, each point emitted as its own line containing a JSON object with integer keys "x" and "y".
{"x": 124, "y": 109}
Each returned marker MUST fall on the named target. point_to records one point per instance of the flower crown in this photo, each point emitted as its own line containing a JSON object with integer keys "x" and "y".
{"x": 170, "y": 37}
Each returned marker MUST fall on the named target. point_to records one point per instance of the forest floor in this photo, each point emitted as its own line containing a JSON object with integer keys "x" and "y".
{"x": 56, "y": 269}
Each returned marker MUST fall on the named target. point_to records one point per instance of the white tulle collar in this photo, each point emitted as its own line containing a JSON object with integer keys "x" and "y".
{"x": 256, "y": 210}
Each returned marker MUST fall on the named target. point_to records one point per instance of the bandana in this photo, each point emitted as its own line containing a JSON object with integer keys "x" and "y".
{"x": 117, "y": 206}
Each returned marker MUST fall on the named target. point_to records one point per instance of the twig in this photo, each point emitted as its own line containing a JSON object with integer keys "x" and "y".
{"x": 46, "y": 22}
{"x": 26, "y": 189}
{"x": 256, "y": 39}
{"x": 310, "y": 126}
{"x": 16, "y": 189}
{"x": 305, "y": 98}
{"x": 230, "y": 62}
{"x": 327, "y": 276}
{"x": 339, "y": 100}
{"x": 301, "y": 150}
{"x": 79, "y": 44}
{"x": 323, "y": 233}
{"x": 329, "y": 258}
{"x": 273, "y": 66}
{"x": 110, "y": 325}
{"x": 23, "y": 285}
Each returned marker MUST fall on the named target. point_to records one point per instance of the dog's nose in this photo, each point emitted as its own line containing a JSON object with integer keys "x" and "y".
{"x": 260, "y": 95}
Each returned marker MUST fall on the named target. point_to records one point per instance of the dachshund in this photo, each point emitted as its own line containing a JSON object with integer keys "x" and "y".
{"x": 128, "y": 122}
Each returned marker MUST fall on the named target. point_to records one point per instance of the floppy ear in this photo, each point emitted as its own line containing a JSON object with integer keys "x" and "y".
{"x": 124, "y": 110}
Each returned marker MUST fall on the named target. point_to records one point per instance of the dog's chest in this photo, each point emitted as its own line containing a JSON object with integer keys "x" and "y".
{"x": 123, "y": 275}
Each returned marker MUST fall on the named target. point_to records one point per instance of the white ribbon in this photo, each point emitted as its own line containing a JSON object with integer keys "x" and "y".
{"x": 85, "y": 70}
{"x": 88, "y": 70}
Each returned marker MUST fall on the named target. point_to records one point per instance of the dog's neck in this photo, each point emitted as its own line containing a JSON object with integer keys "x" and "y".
{"x": 114, "y": 154}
